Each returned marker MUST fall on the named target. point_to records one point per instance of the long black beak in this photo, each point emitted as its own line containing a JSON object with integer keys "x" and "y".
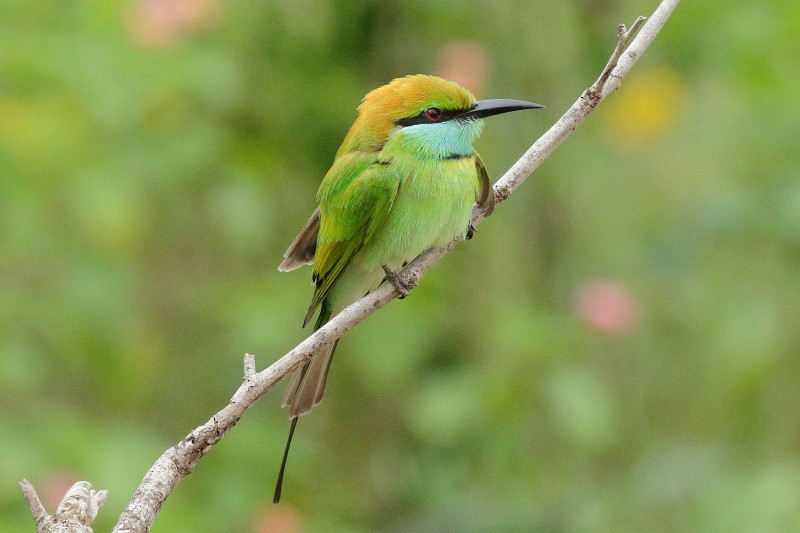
{"x": 487, "y": 108}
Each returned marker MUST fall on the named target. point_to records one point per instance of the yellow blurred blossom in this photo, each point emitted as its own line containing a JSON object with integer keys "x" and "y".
{"x": 646, "y": 107}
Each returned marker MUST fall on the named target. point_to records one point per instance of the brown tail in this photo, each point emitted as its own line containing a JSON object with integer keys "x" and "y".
{"x": 308, "y": 383}
{"x": 304, "y": 392}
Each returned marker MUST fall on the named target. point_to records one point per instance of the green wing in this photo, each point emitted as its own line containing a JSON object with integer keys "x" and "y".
{"x": 486, "y": 197}
{"x": 355, "y": 199}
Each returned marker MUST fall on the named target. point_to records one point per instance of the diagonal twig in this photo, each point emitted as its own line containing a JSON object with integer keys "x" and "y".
{"x": 256, "y": 385}
{"x": 181, "y": 459}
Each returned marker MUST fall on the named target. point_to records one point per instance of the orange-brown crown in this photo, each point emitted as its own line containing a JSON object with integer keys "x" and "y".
{"x": 401, "y": 98}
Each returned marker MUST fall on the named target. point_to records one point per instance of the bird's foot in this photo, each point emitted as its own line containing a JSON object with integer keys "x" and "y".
{"x": 471, "y": 230}
{"x": 399, "y": 285}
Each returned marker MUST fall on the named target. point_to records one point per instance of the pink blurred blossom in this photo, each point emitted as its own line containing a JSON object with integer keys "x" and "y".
{"x": 160, "y": 23}
{"x": 608, "y": 307}
{"x": 54, "y": 487}
{"x": 464, "y": 62}
{"x": 279, "y": 519}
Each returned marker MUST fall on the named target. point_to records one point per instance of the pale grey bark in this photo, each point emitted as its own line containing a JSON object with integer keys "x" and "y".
{"x": 180, "y": 460}
{"x": 74, "y": 514}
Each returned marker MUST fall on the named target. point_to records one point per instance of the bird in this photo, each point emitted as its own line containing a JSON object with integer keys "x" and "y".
{"x": 404, "y": 181}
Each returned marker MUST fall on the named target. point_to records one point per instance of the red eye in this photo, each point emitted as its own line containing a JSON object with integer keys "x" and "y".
{"x": 433, "y": 114}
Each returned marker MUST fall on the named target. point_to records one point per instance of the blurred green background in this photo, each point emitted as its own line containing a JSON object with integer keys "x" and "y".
{"x": 615, "y": 351}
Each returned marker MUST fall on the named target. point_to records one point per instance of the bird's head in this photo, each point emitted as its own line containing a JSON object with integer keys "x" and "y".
{"x": 423, "y": 110}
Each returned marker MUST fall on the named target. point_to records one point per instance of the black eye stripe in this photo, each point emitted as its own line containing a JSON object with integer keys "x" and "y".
{"x": 422, "y": 118}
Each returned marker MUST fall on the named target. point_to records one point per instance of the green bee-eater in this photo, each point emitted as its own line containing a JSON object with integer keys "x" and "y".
{"x": 404, "y": 181}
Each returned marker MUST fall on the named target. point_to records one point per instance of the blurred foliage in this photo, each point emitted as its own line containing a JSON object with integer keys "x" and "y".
{"x": 617, "y": 350}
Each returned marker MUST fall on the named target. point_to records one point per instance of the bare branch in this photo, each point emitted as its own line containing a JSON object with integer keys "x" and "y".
{"x": 249, "y": 366}
{"x": 74, "y": 514}
{"x": 180, "y": 460}
{"x": 646, "y": 35}
{"x": 609, "y": 81}
{"x": 623, "y": 37}
{"x": 34, "y": 503}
